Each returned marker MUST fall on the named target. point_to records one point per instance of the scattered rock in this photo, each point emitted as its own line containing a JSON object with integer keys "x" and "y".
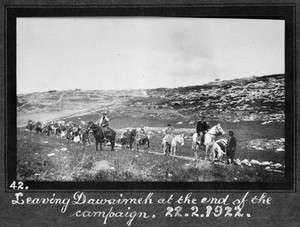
{"x": 266, "y": 122}
{"x": 277, "y": 166}
{"x": 268, "y": 168}
{"x": 263, "y": 144}
{"x": 258, "y": 148}
{"x": 101, "y": 165}
{"x": 265, "y": 163}
{"x": 246, "y": 162}
{"x": 238, "y": 161}
{"x": 254, "y": 162}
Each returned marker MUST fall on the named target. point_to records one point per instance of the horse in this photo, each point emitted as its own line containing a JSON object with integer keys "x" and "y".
{"x": 100, "y": 136}
{"x": 166, "y": 144}
{"x": 142, "y": 142}
{"x": 196, "y": 144}
{"x": 209, "y": 139}
{"x": 85, "y": 135}
{"x": 63, "y": 131}
{"x": 84, "y": 132}
{"x": 30, "y": 125}
{"x": 129, "y": 139}
{"x": 38, "y": 127}
{"x": 218, "y": 149}
{"x": 179, "y": 139}
{"x": 69, "y": 132}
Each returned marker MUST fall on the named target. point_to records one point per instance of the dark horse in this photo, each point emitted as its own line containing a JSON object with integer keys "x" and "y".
{"x": 38, "y": 127}
{"x": 142, "y": 142}
{"x": 130, "y": 138}
{"x": 100, "y": 137}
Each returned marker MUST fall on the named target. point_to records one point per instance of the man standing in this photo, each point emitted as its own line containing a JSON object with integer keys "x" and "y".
{"x": 231, "y": 147}
{"x": 201, "y": 128}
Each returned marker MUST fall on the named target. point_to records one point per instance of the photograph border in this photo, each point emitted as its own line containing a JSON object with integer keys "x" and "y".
{"x": 237, "y": 11}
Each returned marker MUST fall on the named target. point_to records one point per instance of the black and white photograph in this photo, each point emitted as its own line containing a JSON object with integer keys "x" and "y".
{"x": 150, "y": 99}
{"x": 147, "y": 113}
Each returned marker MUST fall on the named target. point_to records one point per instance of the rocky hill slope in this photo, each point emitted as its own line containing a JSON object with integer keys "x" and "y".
{"x": 246, "y": 99}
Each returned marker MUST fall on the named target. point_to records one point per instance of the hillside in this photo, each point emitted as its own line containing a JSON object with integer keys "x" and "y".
{"x": 246, "y": 99}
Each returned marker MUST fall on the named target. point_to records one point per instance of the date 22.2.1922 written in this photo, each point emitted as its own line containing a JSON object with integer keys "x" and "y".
{"x": 209, "y": 211}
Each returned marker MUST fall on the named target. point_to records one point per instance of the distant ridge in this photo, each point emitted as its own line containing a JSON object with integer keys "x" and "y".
{"x": 243, "y": 99}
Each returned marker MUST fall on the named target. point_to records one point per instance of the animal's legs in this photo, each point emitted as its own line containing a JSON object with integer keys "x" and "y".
{"x": 96, "y": 145}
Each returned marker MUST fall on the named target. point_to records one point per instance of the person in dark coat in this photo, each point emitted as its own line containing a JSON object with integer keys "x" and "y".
{"x": 104, "y": 123}
{"x": 231, "y": 147}
{"x": 202, "y": 128}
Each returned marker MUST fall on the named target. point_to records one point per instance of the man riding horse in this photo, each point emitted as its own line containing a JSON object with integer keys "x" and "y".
{"x": 104, "y": 123}
{"x": 202, "y": 128}
{"x": 141, "y": 134}
{"x": 142, "y": 138}
{"x": 167, "y": 140}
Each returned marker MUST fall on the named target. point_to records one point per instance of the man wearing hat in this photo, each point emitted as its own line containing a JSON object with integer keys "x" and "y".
{"x": 104, "y": 122}
{"x": 201, "y": 128}
{"x": 125, "y": 136}
{"x": 168, "y": 137}
{"x": 141, "y": 134}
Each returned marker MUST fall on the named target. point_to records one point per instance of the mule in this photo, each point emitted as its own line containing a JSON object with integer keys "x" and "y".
{"x": 100, "y": 137}
{"x": 218, "y": 149}
{"x": 38, "y": 127}
{"x": 209, "y": 138}
{"x": 142, "y": 142}
{"x": 179, "y": 139}
{"x": 127, "y": 141}
{"x": 166, "y": 144}
{"x": 196, "y": 145}
{"x": 30, "y": 125}
{"x": 85, "y": 136}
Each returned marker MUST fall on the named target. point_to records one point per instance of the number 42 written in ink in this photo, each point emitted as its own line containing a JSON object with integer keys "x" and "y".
{"x": 18, "y": 185}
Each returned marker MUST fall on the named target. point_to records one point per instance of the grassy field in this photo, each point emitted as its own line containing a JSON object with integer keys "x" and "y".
{"x": 44, "y": 158}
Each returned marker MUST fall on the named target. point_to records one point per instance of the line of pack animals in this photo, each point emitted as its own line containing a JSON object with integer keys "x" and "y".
{"x": 214, "y": 150}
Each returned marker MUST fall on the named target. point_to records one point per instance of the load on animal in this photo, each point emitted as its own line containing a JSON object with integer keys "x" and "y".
{"x": 69, "y": 130}
{"x": 137, "y": 136}
{"x": 204, "y": 140}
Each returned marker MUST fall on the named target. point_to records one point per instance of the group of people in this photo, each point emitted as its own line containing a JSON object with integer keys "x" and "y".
{"x": 104, "y": 123}
{"x": 140, "y": 134}
{"x": 202, "y": 127}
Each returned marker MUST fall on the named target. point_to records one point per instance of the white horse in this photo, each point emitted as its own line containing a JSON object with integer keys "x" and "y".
{"x": 166, "y": 144}
{"x": 218, "y": 149}
{"x": 209, "y": 139}
{"x": 196, "y": 141}
{"x": 179, "y": 139}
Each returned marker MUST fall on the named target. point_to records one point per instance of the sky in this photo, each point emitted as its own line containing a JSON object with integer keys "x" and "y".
{"x": 94, "y": 53}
